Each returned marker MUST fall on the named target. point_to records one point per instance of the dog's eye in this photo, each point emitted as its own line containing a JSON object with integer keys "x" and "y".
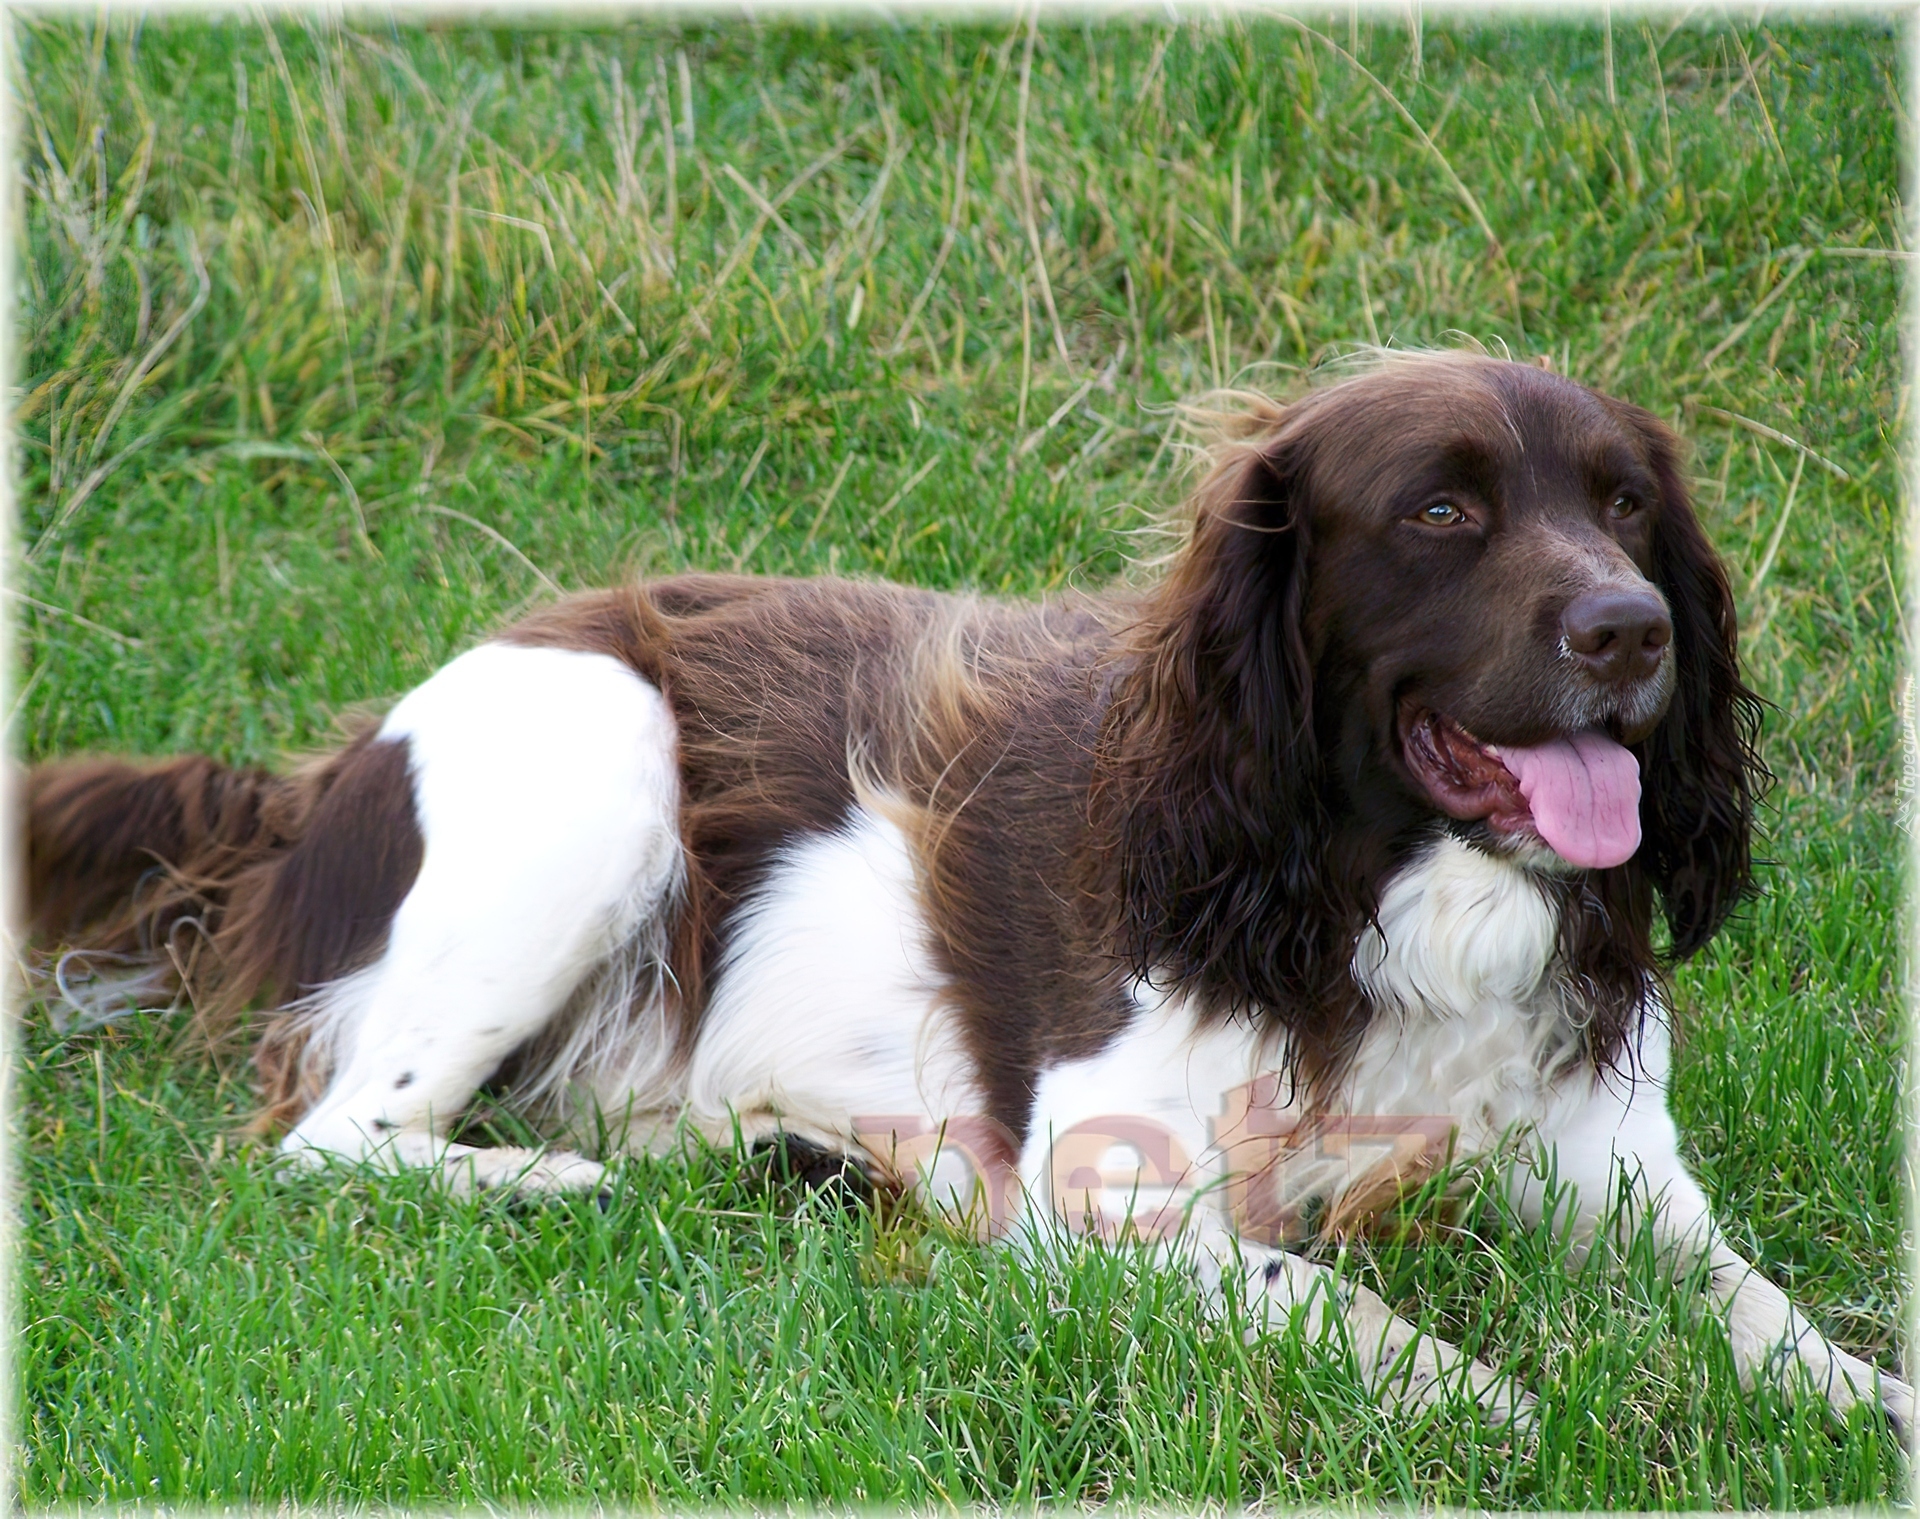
{"x": 1622, "y": 506}
{"x": 1442, "y": 514}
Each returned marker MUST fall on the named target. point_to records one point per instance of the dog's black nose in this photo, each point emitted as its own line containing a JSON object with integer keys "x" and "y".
{"x": 1619, "y": 635}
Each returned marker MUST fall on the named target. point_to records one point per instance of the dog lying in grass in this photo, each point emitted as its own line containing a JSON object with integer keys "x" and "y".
{"x": 1211, "y": 915}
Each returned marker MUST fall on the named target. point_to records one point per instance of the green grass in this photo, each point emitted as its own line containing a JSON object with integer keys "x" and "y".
{"x": 339, "y": 344}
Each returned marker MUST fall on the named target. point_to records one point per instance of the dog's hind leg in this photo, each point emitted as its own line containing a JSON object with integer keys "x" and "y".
{"x": 546, "y": 794}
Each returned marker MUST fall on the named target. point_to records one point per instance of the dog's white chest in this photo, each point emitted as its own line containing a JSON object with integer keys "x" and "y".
{"x": 1468, "y": 1021}
{"x": 1178, "y": 1117}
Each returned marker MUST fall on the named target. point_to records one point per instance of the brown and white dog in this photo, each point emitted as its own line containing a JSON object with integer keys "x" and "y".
{"x": 1209, "y": 914}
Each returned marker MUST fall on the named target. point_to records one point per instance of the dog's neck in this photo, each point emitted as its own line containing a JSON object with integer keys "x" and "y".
{"x": 1458, "y": 928}
{"x": 1463, "y": 960}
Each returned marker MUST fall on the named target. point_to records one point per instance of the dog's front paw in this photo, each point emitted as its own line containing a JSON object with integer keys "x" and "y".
{"x": 1896, "y": 1402}
{"x": 1867, "y": 1384}
{"x": 1406, "y": 1367}
{"x": 1411, "y": 1370}
{"x": 1846, "y": 1381}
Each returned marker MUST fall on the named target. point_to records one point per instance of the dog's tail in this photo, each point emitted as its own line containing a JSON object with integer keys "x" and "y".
{"x": 228, "y": 883}
{"x": 117, "y": 850}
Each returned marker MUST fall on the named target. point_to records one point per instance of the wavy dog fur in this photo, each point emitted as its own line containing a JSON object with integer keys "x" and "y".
{"x": 1166, "y": 784}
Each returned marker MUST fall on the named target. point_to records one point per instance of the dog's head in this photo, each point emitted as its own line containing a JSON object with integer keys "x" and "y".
{"x": 1452, "y": 592}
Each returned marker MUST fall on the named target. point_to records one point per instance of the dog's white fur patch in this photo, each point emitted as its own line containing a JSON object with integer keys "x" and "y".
{"x": 1469, "y": 1021}
{"x": 828, "y": 1018}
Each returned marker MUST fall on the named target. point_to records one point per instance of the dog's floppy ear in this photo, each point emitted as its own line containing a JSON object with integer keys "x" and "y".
{"x": 1703, "y": 773}
{"x": 1210, "y": 766}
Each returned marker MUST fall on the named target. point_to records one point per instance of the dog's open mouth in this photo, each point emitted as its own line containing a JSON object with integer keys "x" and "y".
{"x": 1580, "y": 795}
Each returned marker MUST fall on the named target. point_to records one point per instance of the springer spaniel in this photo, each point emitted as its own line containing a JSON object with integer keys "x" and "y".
{"x": 1211, "y": 915}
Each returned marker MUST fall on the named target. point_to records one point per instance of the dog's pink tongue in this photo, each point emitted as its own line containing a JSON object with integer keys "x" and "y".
{"x": 1584, "y": 793}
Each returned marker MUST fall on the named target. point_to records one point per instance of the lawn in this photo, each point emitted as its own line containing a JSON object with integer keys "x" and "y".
{"x": 340, "y": 345}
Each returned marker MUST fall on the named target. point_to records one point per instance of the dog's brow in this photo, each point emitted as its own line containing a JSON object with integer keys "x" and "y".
{"x": 1613, "y": 466}
{"x": 1466, "y": 460}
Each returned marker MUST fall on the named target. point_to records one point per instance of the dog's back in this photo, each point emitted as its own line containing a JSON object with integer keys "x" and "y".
{"x": 794, "y": 701}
